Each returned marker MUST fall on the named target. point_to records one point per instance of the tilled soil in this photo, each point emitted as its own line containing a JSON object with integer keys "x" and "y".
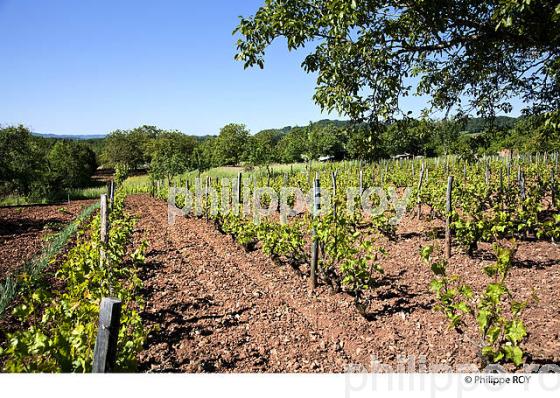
{"x": 23, "y": 230}
{"x": 214, "y": 307}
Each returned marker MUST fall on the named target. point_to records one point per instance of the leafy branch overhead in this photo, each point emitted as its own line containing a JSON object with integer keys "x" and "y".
{"x": 466, "y": 55}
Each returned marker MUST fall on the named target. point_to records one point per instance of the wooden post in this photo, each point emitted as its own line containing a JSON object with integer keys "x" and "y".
{"x": 509, "y": 172}
{"x": 361, "y": 179}
{"x": 112, "y": 193}
{"x": 333, "y": 178}
{"x": 418, "y": 201}
{"x": 553, "y": 187}
{"x": 448, "y": 209}
{"x": 104, "y": 219}
{"x": 501, "y": 179}
{"x": 174, "y": 190}
{"x": 315, "y": 246}
{"x": 238, "y": 189}
{"x": 104, "y": 224}
{"x": 198, "y": 206}
{"x": 188, "y": 202}
{"x": 386, "y": 172}
{"x": 501, "y": 188}
{"x": 268, "y": 173}
{"x": 522, "y": 185}
{"x": 206, "y": 192}
{"x": 510, "y": 157}
{"x": 105, "y": 352}
{"x": 519, "y": 180}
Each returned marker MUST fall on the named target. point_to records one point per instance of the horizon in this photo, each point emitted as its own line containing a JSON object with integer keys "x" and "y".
{"x": 190, "y": 134}
{"x": 104, "y": 135}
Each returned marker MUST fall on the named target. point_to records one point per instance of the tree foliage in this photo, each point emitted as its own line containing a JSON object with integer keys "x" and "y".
{"x": 171, "y": 154}
{"x": 327, "y": 141}
{"x": 71, "y": 164}
{"x": 37, "y": 167}
{"x": 293, "y": 146}
{"x": 230, "y": 146}
{"x": 203, "y": 154}
{"x": 262, "y": 147}
{"x": 18, "y": 158}
{"x": 465, "y": 55}
{"x": 128, "y": 148}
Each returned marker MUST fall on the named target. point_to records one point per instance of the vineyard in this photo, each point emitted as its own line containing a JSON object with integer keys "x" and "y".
{"x": 500, "y": 213}
{"x": 259, "y": 194}
{"x": 51, "y": 305}
{"x": 452, "y": 262}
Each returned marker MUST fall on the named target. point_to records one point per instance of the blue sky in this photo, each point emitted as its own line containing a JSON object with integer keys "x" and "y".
{"x": 90, "y": 67}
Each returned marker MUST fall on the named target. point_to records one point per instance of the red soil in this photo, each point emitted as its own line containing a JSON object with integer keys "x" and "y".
{"x": 23, "y": 230}
{"x": 217, "y": 308}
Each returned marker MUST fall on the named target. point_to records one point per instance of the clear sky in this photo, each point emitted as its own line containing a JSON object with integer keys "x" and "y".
{"x": 93, "y": 66}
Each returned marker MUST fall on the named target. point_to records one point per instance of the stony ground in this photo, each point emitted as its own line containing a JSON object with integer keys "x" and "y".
{"x": 214, "y": 307}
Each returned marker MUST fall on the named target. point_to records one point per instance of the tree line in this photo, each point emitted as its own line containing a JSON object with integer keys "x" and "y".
{"x": 42, "y": 168}
{"x": 168, "y": 153}
{"x": 39, "y": 167}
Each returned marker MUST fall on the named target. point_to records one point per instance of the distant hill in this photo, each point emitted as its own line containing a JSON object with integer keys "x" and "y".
{"x": 320, "y": 123}
{"x": 477, "y": 124}
{"x": 472, "y": 126}
{"x": 201, "y": 138}
{"x": 77, "y": 137}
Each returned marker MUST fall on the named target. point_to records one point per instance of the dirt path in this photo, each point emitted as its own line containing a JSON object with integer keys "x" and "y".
{"x": 213, "y": 315}
{"x": 218, "y": 308}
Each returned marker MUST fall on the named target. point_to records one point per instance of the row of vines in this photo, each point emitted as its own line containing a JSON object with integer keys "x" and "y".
{"x": 495, "y": 199}
{"x": 59, "y": 312}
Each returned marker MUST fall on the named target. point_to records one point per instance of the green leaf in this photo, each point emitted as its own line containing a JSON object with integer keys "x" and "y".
{"x": 426, "y": 252}
{"x": 491, "y": 270}
{"x": 513, "y": 354}
{"x": 455, "y": 320}
{"x": 517, "y": 307}
{"x": 495, "y": 291}
{"x": 493, "y": 333}
{"x": 515, "y": 331}
{"x": 466, "y": 291}
{"x": 438, "y": 268}
{"x": 482, "y": 319}
{"x": 491, "y": 354}
{"x": 463, "y": 307}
